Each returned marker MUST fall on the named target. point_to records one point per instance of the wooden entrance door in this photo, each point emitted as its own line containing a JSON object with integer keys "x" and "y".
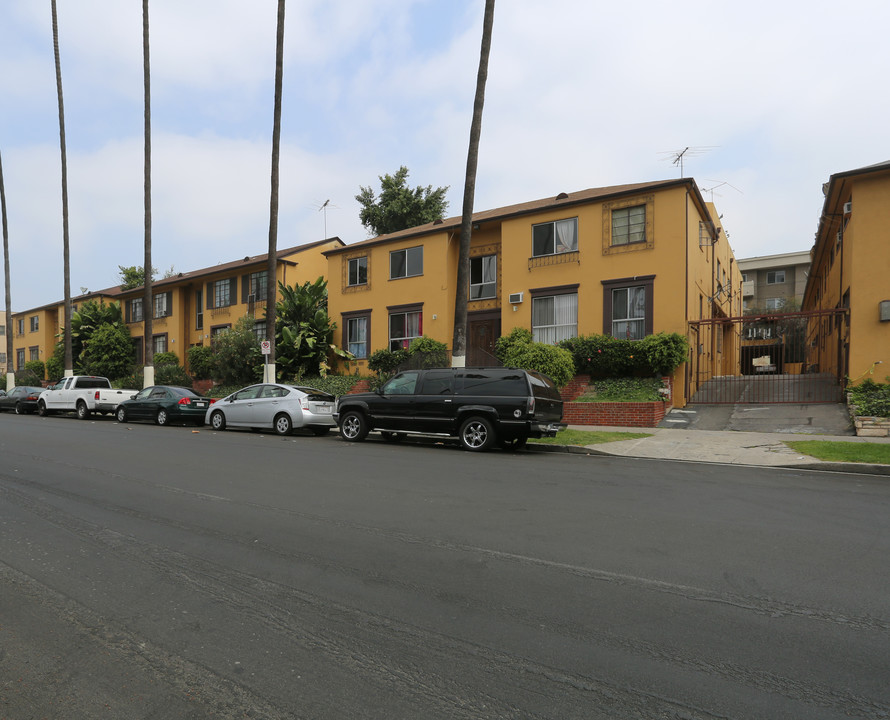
{"x": 481, "y": 336}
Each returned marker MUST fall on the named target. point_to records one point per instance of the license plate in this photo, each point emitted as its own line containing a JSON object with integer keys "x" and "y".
{"x": 323, "y": 409}
{"x": 200, "y": 405}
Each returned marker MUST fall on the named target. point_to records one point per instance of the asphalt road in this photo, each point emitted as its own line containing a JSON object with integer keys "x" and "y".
{"x": 163, "y": 573}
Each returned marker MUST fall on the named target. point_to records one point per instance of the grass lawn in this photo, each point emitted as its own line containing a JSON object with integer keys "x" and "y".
{"x": 877, "y": 453}
{"x": 587, "y": 437}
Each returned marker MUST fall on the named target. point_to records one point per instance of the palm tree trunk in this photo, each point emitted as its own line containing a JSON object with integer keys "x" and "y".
{"x": 69, "y": 360}
{"x": 459, "y": 340}
{"x": 147, "y": 303}
{"x": 10, "y": 374}
{"x": 271, "y": 280}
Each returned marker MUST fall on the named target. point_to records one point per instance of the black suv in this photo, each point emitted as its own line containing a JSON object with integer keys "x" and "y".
{"x": 479, "y": 406}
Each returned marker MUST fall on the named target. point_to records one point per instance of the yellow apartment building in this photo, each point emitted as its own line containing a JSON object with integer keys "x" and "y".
{"x": 188, "y": 308}
{"x": 628, "y": 261}
{"x": 850, "y": 273}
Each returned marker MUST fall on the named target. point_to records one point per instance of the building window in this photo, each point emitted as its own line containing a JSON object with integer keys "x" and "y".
{"x": 553, "y": 238}
{"x": 199, "y": 309}
{"x": 357, "y": 336}
{"x": 159, "y": 343}
{"x": 34, "y": 353}
{"x": 218, "y": 330}
{"x": 406, "y": 263}
{"x": 404, "y": 327}
{"x": 358, "y": 270}
{"x": 258, "y": 285}
{"x": 20, "y": 359}
{"x": 628, "y": 307}
{"x": 163, "y": 305}
{"x": 483, "y": 277}
{"x": 259, "y": 329}
{"x": 2, "y": 361}
{"x": 775, "y": 304}
{"x": 555, "y": 318}
{"x": 629, "y": 225}
{"x": 2, "y": 329}
{"x": 775, "y": 277}
{"x": 35, "y": 323}
{"x": 134, "y": 310}
{"x": 20, "y": 326}
{"x": 744, "y": 277}
{"x": 221, "y": 293}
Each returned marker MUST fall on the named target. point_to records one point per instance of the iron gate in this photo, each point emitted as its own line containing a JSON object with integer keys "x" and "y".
{"x": 797, "y": 357}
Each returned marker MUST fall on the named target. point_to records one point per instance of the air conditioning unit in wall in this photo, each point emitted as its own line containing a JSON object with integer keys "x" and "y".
{"x": 515, "y": 298}
{"x": 848, "y": 207}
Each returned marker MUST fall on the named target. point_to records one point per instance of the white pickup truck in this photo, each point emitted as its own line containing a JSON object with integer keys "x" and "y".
{"x": 83, "y": 394}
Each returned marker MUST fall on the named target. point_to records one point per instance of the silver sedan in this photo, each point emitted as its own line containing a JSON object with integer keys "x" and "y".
{"x": 282, "y": 408}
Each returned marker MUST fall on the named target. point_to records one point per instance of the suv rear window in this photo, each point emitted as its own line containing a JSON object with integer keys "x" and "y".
{"x": 482, "y": 382}
{"x": 543, "y": 387}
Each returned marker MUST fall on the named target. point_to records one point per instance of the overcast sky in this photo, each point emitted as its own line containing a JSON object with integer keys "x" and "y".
{"x": 771, "y": 97}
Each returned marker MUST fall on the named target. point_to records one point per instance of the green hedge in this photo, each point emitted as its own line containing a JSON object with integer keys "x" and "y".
{"x": 872, "y": 399}
{"x": 606, "y": 356}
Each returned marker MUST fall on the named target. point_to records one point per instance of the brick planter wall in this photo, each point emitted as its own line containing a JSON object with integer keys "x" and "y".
{"x": 631, "y": 414}
{"x": 362, "y": 385}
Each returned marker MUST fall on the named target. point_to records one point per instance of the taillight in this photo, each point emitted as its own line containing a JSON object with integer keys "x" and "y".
{"x": 304, "y": 403}
{"x": 212, "y": 400}
{"x": 96, "y": 396}
{"x": 530, "y": 406}
{"x": 183, "y": 401}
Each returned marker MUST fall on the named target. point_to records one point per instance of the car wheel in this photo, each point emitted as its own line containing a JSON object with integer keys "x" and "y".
{"x": 162, "y": 418}
{"x": 319, "y": 431}
{"x": 283, "y": 424}
{"x": 83, "y": 412}
{"x": 476, "y": 434}
{"x": 353, "y": 426}
{"x": 41, "y": 409}
{"x": 121, "y": 415}
{"x": 218, "y": 421}
{"x": 19, "y": 410}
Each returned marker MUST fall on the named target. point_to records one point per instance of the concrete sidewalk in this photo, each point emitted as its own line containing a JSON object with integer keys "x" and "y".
{"x": 765, "y": 449}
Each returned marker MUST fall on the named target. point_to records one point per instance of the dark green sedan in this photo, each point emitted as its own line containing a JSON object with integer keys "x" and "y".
{"x": 164, "y": 404}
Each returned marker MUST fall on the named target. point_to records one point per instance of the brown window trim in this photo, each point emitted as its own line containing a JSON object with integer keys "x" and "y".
{"x": 344, "y": 323}
{"x": 647, "y": 281}
{"x": 410, "y": 307}
{"x": 554, "y": 290}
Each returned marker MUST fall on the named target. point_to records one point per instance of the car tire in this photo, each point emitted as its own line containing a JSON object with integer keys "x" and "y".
{"x": 162, "y": 418}
{"x": 218, "y": 420}
{"x": 320, "y": 431}
{"x": 476, "y": 434}
{"x": 83, "y": 412}
{"x": 121, "y": 415}
{"x": 19, "y": 410}
{"x": 283, "y": 424}
{"x": 41, "y": 409}
{"x": 353, "y": 426}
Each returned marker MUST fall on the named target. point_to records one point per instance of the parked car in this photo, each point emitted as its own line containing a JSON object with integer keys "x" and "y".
{"x": 21, "y": 399}
{"x": 281, "y": 408}
{"x": 164, "y": 404}
{"x": 478, "y": 406}
{"x": 83, "y": 394}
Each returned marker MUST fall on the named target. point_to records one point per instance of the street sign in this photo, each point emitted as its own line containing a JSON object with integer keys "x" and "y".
{"x": 266, "y": 347}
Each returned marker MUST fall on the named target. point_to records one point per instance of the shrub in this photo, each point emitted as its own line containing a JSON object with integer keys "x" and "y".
{"x": 385, "y": 362}
{"x": 428, "y": 352}
{"x": 172, "y": 375}
{"x": 505, "y": 344}
{"x": 333, "y": 384}
{"x": 625, "y": 389}
{"x": 872, "y": 399}
{"x": 200, "y": 360}
{"x": 606, "y": 356}
{"x": 665, "y": 352}
{"x": 37, "y": 369}
{"x": 517, "y": 349}
{"x": 108, "y": 352}
{"x": 237, "y": 359}
{"x": 55, "y": 365}
{"x": 165, "y": 358}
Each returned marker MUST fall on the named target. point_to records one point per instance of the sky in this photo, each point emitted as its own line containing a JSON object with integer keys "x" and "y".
{"x": 770, "y": 97}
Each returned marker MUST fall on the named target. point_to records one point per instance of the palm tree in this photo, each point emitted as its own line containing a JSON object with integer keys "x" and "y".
{"x": 272, "y": 263}
{"x": 10, "y": 375}
{"x": 147, "y": 304}
{"x": 459, "y": 340}
{"x": 69, "y": 362}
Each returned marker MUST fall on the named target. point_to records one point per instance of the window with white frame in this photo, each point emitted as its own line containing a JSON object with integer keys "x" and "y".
{"x": 406, "y": 263}
{"x": 404, "y": 327}
{"x": 134, "y": 310}
{"x": 357, "y": 335}
{"x": 258, "y": 285}
{"x": 629, "y": 225}
{"x": 358, "y": 270}
{"x": 629, "y": 313}
{"x": 775, "y": 304}
{"x": 163, "y": 305}
{"x": 483, "y": 277}
{"x": 554, "y": 318}
{"x": 775, "y": 277}
{"x": 554, "y": 238}
{"x": 222, "y": 293}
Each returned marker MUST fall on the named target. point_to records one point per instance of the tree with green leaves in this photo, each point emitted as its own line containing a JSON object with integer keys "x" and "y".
{"x": 134, "y": 276}
{"x": 303, "y": 330}
{"x": 237, "y": 358}
{"x": 108, "y": 352}
{"x": 88, "y": 319}
{"x": 399, "y": 207}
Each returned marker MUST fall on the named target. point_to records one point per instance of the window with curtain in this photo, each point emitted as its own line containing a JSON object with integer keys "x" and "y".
{"x": 554, "y": 318}
{"x": 483, "y": 277}
{"x": 553, "y": 238}
{"x": 357, "y": 336}
{"x": 629, "y": 313}
{"x": 629, "y": 225}
{"x": 403, "y": 328}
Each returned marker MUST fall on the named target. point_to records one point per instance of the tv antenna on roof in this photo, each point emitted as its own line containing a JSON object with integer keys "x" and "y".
{"x": 677, "y": 156}
{"x": 718, "y": 185}
{"x": 323, "y": 208}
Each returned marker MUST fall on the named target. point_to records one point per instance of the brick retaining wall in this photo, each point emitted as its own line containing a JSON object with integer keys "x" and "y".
{"x": 622, "y": 414}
